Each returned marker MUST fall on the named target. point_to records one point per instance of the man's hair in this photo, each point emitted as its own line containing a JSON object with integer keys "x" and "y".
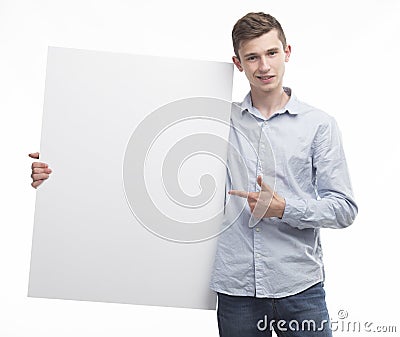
{"x": 253, "y": 25}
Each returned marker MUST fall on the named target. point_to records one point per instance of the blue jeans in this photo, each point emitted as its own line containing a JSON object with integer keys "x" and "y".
{"x": 300, "y": 315}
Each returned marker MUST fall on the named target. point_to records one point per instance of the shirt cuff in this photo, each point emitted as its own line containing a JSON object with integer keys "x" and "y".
{"x": 294, "y": 210}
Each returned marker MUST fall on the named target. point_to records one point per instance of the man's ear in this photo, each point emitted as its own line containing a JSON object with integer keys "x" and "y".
{"x": 236, "y": 61}
{"x": 288, "y": 51}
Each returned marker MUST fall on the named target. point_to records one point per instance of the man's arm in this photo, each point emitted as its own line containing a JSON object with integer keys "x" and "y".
{"x": 335, "y": 207}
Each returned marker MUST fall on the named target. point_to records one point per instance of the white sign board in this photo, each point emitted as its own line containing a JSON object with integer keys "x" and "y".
{"x": 132, "y": 210}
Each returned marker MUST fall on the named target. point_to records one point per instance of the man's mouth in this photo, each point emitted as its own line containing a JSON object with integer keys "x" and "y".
{"x": 265, "y": 77}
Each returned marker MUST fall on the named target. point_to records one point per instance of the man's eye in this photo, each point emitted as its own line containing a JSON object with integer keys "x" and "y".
{"x": 272, "y": 53}
{"x": 251, "y": 58}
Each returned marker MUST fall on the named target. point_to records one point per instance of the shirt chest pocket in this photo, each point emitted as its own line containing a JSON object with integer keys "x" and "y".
{"x": 293, "y": 161}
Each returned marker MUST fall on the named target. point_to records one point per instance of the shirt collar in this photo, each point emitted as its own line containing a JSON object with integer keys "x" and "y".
{"x": 291, "y": 107}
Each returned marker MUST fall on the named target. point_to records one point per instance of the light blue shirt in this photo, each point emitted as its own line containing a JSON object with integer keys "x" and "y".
{"x": 299, "y": 153}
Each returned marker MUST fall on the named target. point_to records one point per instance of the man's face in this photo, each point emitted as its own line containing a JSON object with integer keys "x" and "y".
{"x": 263, "y": 61}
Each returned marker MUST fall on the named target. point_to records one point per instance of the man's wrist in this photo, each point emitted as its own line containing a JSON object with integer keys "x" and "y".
{"x": 277, "y": 207}
{"x": 282, "y": 206}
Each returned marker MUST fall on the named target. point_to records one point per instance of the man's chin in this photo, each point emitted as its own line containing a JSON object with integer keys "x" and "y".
{"x": 266, "y": 88}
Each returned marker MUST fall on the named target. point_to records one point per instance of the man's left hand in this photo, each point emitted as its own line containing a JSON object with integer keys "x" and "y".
{"x": 263, "y": 204}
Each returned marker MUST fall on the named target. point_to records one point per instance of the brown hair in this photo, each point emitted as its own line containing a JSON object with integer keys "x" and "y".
{"x": 253, "y": 25}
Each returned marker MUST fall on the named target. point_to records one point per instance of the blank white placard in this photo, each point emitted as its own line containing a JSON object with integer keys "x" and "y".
{"x": 87, "y": 242}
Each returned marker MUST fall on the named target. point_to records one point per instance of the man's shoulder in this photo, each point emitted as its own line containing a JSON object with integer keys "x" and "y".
{"x": 311, "y": 113}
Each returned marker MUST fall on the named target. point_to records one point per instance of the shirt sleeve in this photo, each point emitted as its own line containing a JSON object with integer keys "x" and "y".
{"x": 334, "y": 205}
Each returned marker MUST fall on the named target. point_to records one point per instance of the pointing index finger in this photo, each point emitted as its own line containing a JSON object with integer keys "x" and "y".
{"x": 242, "y": 194}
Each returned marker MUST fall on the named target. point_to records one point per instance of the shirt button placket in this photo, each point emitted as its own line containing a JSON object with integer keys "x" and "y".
{"x": 258, "y": 266}
{"x": 261, "y": 150}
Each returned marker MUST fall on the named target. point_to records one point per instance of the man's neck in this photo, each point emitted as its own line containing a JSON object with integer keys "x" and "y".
{"x": 269, "y": 102}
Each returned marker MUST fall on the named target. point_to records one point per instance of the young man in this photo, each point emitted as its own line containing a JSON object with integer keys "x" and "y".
{"x": 268, "y": 272}
{"x": 271, "y": 274}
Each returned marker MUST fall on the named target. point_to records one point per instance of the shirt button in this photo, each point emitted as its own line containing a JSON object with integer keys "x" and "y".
{"x": 257, "y": 229}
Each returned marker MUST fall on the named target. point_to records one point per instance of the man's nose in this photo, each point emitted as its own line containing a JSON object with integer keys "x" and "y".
{"x": 264, "y": 65}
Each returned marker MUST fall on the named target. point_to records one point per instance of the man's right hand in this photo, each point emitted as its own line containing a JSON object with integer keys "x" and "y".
{"x": 40, "y": 171}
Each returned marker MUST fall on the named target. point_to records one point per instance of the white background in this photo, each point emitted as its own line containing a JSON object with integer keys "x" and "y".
{"x": 344, "y": 60}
